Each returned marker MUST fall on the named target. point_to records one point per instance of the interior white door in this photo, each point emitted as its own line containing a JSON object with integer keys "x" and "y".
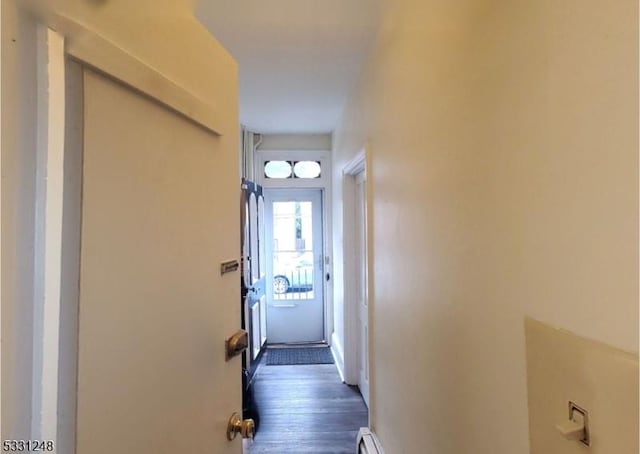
{"x": 158, "y": 218}
{"x": 362, "y": 284}
{"x": 295, "y": 302}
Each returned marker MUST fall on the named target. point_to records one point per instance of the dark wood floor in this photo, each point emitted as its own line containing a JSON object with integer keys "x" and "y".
{"x": 306, "y": 409}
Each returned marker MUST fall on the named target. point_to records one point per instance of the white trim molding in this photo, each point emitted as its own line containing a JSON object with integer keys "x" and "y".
{"x": 338, "y": 355}
{"x": 100, "y": 53}
{"x": 351, "y": 169}
{"x": 48, "y": 242}
{"x": 359, "y": 164}
{"x": 323, "y": 183}
{"x": 103, "y": 55}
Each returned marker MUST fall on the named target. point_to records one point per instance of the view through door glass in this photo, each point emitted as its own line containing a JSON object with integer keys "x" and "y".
{"x": 293, "y": 255}
{"x": 295, "y": 300}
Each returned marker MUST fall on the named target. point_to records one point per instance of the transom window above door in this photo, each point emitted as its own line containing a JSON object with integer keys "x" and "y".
{"x": 292, "y": 169}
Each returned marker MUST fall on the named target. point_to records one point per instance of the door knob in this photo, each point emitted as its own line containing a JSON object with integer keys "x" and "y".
{"x": 236, "y": 344}
{"x": 245, "y": 427}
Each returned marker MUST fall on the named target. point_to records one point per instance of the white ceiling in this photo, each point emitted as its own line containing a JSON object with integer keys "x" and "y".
{"x": 298, "y": 58}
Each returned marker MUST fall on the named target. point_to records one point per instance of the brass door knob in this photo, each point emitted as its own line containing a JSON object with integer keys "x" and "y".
{"x": 236, "y": 344}
{"x": 245, "y": 427}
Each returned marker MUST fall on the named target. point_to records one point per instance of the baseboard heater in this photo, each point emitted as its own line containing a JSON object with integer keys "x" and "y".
{"x": 368, "y": 443}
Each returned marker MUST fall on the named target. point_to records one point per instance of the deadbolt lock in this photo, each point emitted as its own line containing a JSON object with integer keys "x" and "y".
{"x": 236, "y": 344}
{"x": 245, "y": 427}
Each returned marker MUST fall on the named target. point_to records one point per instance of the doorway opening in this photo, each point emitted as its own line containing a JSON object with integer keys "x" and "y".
{"x": 297, "y": 372}
{"x": 295, "y": 266}
{"x": 356, "y": 214}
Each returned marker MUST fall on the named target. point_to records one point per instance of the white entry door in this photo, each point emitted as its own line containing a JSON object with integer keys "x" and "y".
{"x": 362, "y": 284}
{"x": 295, "y": 302}
{"x": 159, "y": 215}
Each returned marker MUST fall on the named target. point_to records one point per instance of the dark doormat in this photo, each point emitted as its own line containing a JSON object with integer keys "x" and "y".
{"x": 294, "y": 356}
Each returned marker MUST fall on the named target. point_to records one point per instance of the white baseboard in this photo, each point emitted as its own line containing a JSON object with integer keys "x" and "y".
{"x": 338, "y": 355}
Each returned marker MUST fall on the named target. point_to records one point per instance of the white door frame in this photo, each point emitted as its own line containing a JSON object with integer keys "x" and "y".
{"x": 48, "y": 232}
{"x": 351, "y": 326}
{"x": 323, "y": 183}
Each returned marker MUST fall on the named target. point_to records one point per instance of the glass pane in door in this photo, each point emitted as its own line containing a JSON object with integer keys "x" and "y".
{"x": 293, "y": 254}
{"x": 253, "y": 238}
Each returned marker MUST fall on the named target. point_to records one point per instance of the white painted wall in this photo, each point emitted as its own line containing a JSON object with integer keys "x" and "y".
{"x": 297, "y": 60}
{"x": 295, "y": 142}
{"x": 504, "y": 168}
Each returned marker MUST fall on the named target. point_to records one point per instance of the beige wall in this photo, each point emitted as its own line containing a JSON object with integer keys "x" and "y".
{"x": 504, "y": 170}
{"x": 19, "y": 108}
{"x": 602, "y": 380}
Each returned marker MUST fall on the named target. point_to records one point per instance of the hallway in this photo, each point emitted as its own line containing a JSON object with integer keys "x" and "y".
{"x": 462, "y": 225}
{"x": 306, "y": 409}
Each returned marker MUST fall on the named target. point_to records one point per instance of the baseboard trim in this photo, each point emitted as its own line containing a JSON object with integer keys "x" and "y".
{"x": 338, "y": 355}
